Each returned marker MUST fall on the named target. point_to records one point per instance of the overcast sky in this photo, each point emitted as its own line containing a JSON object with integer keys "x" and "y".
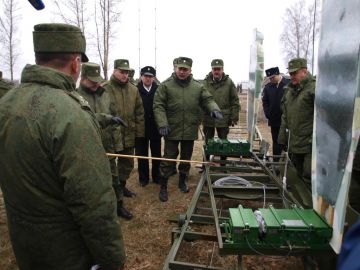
{"x": 200, "y": 29}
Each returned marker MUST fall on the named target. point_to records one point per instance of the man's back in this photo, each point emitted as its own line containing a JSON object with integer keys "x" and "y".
{"x": 55, "y": 176}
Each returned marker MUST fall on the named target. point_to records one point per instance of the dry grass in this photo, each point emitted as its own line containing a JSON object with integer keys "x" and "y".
{"x": 148, "y": 235}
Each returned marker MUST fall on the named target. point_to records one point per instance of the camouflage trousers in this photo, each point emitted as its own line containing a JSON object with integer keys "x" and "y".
{"x": 171, "y": 150}
{"x": 121, "y": 169}
{"x": 209, "y": 132}
{"x": 302, "y": 163}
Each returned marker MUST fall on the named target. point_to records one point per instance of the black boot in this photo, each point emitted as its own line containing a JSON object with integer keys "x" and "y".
{"x": 128, "y": 193}
{"x": 163, "y": 195}
{"x": 183, "y": 183}
{"x": 123, "y": 212}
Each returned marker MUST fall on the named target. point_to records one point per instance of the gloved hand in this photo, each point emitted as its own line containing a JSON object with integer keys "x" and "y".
{"x": 233, "y": 123}
{"x": 164, "y": 131}
{"x": 217, "y": 115}
{"x": 116, "y": 120}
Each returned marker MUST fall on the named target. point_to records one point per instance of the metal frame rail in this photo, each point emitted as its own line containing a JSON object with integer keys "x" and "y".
{"x": 206, "y": 207}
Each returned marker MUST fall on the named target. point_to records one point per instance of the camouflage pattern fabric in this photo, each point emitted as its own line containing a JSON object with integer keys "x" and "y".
{"x": 177, "y": 104}
{"x": 225, "y": 95}
{"x": 128, "y": 106}
{"x": 298, "y": 115}
{"x": 4, "y": 87}
{"x": 104, "y": 109}
{"x": 55, "y": 177}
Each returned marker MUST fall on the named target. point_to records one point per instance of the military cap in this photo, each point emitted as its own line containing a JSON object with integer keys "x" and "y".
{"x": 217, "y": 63}
{"x": 148, "y": 70}
{"x": 59, "y": 38}
{"x": 272, "y": 72}
{"x": 122, "y": 64}
{"x": 131, "y": 72}
{"x": 296, "y": 63}
{"x": 184, "y": 62}
{"x": 91, "y": 71}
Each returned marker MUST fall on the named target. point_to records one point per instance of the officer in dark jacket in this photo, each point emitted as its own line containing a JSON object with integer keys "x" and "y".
{"x": 147, "y": 88}
{"x": 271, "y": 100}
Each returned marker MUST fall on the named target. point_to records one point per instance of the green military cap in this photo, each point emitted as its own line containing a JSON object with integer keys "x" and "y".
{"x": 216, "y": 63}
{"x": 131, "y": 72}
{"x": 296, "y": 63}
{"x": 184, "y": 62}
{"x": 91, "y": 71}
{"x": 59, "y": 38}
{"x": 122, "y": 64}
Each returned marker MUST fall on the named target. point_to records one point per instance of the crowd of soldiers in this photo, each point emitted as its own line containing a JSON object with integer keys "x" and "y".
{"x": 63, "y": 194}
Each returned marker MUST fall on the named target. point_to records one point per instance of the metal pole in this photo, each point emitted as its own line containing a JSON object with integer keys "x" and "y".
{"x": 313, "y": 47}
{"x": 139, "y": 34}
{"x": 155, "y": 36}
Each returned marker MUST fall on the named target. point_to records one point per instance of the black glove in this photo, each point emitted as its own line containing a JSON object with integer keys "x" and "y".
{"x": 116, "y": 120}
{"x": 217, "y": 115}
{"x": 164, "y": 131}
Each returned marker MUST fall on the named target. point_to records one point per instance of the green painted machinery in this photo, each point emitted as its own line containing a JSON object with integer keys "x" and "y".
{"x": 229, "y": 148}
{"x": 270, "y": 228}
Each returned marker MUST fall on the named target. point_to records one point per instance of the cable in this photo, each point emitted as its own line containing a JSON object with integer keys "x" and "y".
{"x": 257, "y": 252}
{"x": 232, "y": 180}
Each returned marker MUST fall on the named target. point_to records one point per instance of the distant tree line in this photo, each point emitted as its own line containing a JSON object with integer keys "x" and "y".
{"x": 301, "y": 30}
{"x": 100, "y": 16}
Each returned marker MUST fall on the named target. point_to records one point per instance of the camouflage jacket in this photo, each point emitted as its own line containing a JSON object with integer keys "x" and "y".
{"x": 298, "y": 115}
{"x": 129, "y": 107}
{"x": 177, "y": 105}
{"x": 4, "y": 87}
{"x": 104, "y": 109}
{"x": 55, "y": 177}
{"x": 226, "y": 97}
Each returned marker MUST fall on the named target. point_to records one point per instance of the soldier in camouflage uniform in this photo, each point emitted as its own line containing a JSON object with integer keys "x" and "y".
{"x": 4, "y": 86}
{"x": 99, "y": 100}
{"x": 131, "y": 76}
{"x": 129, "y": 107}
{"x": 176, "y": 110}
{"x": 225, "y": 95}
{"x": 55, "y": 175}
{"x": 298, "y": 116}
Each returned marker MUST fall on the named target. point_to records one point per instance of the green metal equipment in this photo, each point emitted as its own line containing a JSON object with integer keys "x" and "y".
{"x": 270, "y": 228}
{"x": 229, "y": 148}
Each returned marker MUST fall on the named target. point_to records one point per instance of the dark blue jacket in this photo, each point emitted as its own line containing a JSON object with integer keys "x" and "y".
{"x": 151, "y": 131}
{"x": 271, "y": 99}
